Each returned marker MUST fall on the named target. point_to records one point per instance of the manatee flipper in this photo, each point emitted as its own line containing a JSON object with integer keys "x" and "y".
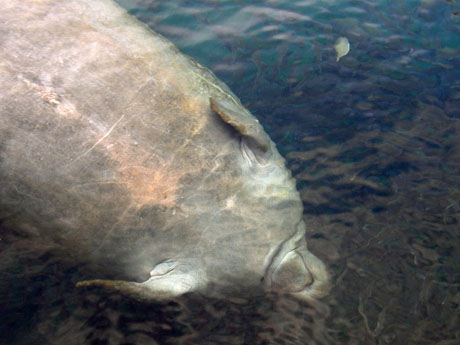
{"x": 245, "y": 123}
{"x": 167, "y": 280}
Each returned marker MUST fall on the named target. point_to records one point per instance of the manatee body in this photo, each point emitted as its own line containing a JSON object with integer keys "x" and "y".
{"x": 139, "y": 162}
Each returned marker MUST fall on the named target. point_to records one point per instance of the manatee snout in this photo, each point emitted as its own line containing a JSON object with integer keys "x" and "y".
{"x": 300, "y": 273}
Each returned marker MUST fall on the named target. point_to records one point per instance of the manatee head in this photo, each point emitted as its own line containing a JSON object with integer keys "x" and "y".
{"x": 250, "y": 237}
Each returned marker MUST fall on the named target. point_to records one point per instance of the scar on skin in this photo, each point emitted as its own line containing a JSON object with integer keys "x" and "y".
{"x": 149, "y": 180}
{"x": 97, "y": 142}
{"x": 63, "y": 107}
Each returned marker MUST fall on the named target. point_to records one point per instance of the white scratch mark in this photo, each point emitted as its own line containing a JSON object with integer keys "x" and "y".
{"x": 97, "y": 142}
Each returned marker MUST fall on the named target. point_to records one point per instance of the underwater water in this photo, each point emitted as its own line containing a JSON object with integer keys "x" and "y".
{"x": 373, "y": 141}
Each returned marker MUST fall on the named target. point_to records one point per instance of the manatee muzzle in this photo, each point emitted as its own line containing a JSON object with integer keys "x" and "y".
{"x": 300, "y": 273}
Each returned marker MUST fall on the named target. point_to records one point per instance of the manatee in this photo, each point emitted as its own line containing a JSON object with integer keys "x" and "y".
{"x": 139, "y": 163}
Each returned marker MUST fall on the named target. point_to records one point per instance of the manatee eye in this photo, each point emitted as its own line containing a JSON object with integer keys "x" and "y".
{"x": 291, "y": 275}
{"x": 247, "y": 153}
{"x": 252, "y": 154}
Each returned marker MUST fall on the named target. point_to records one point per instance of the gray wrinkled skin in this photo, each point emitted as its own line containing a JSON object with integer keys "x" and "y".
{"x": 138, "y": 161}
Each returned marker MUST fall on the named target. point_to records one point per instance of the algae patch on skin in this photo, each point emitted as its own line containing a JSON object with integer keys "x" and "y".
{"x": 342, "y": 47}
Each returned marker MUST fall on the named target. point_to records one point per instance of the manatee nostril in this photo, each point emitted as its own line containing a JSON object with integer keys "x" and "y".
{"x": 291, "y": 275}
